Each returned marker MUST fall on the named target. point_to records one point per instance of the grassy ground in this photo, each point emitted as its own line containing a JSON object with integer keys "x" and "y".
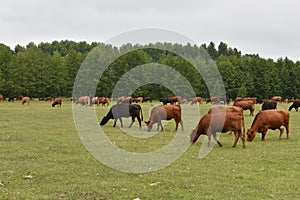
{"x": 42, "y": 157}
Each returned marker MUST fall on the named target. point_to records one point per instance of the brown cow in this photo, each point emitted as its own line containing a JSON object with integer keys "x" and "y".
{"x": 48, "y": 98}
{"x": 124, "y": 99}
{"x": 137, "y": 100}
{"x": 219, "y": 109}
{"x": 1, "y": 97}
{"x": 209, "y": 124}
{"x": 104, "y": 101}
{"x": 83, "y": 100}
{"x": 253, "y": 99}
{"x": 269, "y": 119}
{"x": 276, "y": 98}
{"x": 164, "y": 112}
{"x": 213, "y": 100}
{"x": 25, "y": 100}
{"x": 245, "y": 105}
{"x": 195, "y": 100}
{"x": 57, "y": 101}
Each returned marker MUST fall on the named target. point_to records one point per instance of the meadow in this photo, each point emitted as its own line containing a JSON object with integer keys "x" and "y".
{"x": 42, "y": 157}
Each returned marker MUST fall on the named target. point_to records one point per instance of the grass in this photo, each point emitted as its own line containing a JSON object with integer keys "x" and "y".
{"x": 42, "y": 157}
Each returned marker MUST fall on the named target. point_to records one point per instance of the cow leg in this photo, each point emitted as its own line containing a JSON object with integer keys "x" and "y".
{"x": 181, "y": 123}
{"x": 140, "y": 121}
{"x": 287, "y": 131}
{"x": 281, "y": 132}
{"x": 115, "y": 122}
{"x": 132, "y": 120}
{"x": 121, "y": 122}
{"x": 176, "y": 127}
{"x": 216, "y": 139}
{"x": 236, "y": 134}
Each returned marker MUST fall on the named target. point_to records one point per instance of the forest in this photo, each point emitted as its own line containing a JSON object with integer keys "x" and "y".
{"x": 50, "y": 69}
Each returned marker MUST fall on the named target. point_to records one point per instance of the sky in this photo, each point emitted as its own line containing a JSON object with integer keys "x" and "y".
{"x": 269, "y": 28}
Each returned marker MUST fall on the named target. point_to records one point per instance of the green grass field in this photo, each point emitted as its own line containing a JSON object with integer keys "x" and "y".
{"x": 42, "y": 157}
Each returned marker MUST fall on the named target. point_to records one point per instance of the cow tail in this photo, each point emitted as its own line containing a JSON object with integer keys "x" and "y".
{"x": 142, "y": 114}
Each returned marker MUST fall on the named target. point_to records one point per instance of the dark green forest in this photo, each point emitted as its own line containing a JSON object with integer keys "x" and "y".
{"x": 49, "y": 69}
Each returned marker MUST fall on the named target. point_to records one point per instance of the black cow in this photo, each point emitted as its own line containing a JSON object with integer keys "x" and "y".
{"x": 145, "y": 99}
{"x": 295, "y": 105}
{"x": 269, "y": 105}
{"x": 123, "y": 110}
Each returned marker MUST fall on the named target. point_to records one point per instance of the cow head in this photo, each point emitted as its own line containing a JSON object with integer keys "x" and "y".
{"x": 193, "y": 136}
{"x": 149, "y": 125}
{"x": 251, "y": 134}
{"x": 104, "y": 121}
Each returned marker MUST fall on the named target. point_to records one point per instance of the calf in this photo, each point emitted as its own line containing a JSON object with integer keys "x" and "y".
{"x": 123, "y": 110}
{"x": 164, "y": 112}
{"x": 246, "y": 105}
{"x": 269, "y": 119}
{"x": 209, "y": 124}
{"x": 295, "y": 105}
{"x": 268, "y": 105}
{"x": 57, "y": 101}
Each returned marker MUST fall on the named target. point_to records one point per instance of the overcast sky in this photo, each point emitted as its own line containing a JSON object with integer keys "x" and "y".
{"x": 270, "y": 28}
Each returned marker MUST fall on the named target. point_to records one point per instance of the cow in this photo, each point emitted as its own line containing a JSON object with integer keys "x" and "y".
{"x": 57, "y": 101}
{"x": 245, "y": 105}
{"x": 1, "y": 97}
{"x": 48, "y": 98}
{"x": 124, "y": 99}
{"x": 268, "y": 105}
{"x": 104, "y": 101}
{"x": 170, "y": 100}
{"x": 253, "y": 99}
{"x": 137, "y": 100}
{"x": 195, "y": 100}
{"x": 210, "y": 124}
{"x": 25, "y": 100}
{"x": 213, "y": 100}
{"x": 276, "y": 98}
{"x": 118, "y": 111}
{"x": 83, "y": 100}
{"x": 269, "y": 119}
{"x": 146, "y": 99}
{"x": 295, "y": 105}
{"x": 164, "y": 112}
{"x": 219, "y": 109}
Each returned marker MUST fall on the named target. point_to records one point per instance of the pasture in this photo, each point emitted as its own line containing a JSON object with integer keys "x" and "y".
{"x": 42, "y": 157}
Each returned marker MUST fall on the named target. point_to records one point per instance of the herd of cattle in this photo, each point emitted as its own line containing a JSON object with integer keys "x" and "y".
{"x": 26, "y": 100}
{"x": 268, "y": 118}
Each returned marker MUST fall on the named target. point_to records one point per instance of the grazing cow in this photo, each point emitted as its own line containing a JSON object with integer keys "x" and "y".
{"x": 146, "y": 99}
{"x": 246, "y": 105}
{"x": 25, "y": 100}
{"x": 170, "y": 100}
{"x": 268, "y": 105}
{"x": 269, "y": 119}
{"x": 276, "y": 98}
{"x": 137, "y": 100}
{"x": 83, "y": 100}
{"x": 57, "y": 101}
{"x": 213, "y": 100}
{"x": 295, "y": 105}
{"x": 210, "y": 124}
{"x": 118, "y": 111}
{"x": 1, "y": 97}
{"x": 124, "y": 99}
{"x": 218, "y": 109}
{"x": 195, "y": 100}
{"x": 104, "y": 101}
{"x": 253, "y": 99}
{"x": 48, "y": 98}
{"x": 164, "y": 112}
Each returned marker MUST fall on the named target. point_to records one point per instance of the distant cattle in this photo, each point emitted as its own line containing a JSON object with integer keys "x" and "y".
{"x": 103, "y": 101}
{"x": 118, "y": 111}
{"x": 213, "y": 100}
{"x": 268, "y": 105}
{"x": 83, "y": 100}
{"x": 25, "y": 100}
{"x": 295, "y": 105}
{"x": 269, "y": 119}
{"x": 170, "y": 100}
{"x": 146, "y": 99}
{"x": 48, "y": 98}
{"x": 57, "y": 101}
{"x": 124, "y": 99}
{"x": 1, "y": 97}
{"x": 164, "y": 112}
{"x": 276, "y": 98}
{"x": 253, "y": 99}
{"x": 137, "y": 100}
{"x": 210, "y": 124}
{"x": 195, "y": 100}
{"x": 245, "y": 105}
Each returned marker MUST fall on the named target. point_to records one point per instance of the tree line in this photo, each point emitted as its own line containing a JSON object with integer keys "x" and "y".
{"x": 50, "y": 69}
